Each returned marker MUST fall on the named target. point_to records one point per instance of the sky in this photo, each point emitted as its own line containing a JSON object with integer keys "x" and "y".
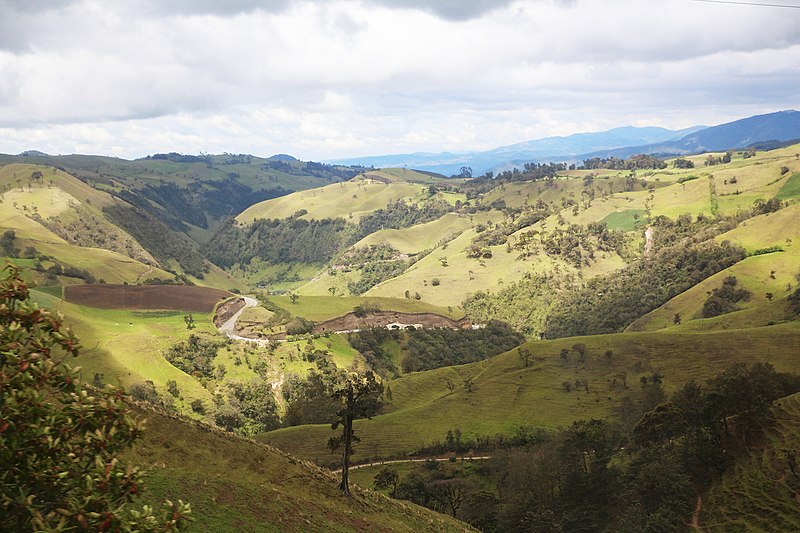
{"x": 344, "y": 78}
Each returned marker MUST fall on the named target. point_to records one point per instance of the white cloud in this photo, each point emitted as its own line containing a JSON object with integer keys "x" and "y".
{"x": 347, "y": 77}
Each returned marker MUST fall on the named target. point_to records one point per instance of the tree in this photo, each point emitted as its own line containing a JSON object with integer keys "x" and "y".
{"x": 293, "y": 297}
{"x": 189, "y": 319}
{"x": 59, "y": 466}
{"x": 525, "y": 355}
{"x": 385, "y": 479}
{"x": 359, "y": 395}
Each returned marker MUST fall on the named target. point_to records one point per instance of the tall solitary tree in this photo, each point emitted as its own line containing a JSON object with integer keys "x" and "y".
{"x": 359, "y": 395}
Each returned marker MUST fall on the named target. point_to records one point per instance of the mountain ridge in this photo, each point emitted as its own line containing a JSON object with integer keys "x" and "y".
{"x": 620, "y": 142}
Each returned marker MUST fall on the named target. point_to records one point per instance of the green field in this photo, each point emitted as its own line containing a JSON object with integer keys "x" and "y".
{"x": 791, "y": 188}
{"x": 508, "y": 395}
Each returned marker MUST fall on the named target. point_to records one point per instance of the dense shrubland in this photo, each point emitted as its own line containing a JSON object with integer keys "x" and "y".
{"x": 426, "y": 349}
{"x": 610, "y": 303}
{"x": 155, "y": 237}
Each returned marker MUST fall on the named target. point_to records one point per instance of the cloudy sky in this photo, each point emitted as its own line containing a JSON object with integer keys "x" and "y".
{"x": 325, "y": 79}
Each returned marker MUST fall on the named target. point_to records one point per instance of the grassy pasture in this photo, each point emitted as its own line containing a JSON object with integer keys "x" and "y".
{"x": 420, "y": 237}
{"x": 349, "y": 200}
{"x": 235, "y": 484}
{"x": 790, "y": 188}
{"x": 507, "y": 395}
{"x": 627, "y": 220}
{"x": 126, "y": 346}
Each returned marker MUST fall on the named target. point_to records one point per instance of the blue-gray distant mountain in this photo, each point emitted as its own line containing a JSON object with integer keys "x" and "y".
{"x": 778, "y": 127}
{"x": 550, "y": 148}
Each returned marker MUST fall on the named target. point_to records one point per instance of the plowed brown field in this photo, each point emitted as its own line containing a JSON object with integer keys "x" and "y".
{"x": 173, "y": 297}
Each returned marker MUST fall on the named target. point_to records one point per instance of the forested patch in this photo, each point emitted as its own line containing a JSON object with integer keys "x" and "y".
{"x": 372, "y": 274}
{"x": 248, "y": 408}
{"x": 195, "y": 356}
{"x": 723, "y": 299}
{"x": 155, "y": 237}
{"x": 610, "y": 303}
{"x": 289, "y": 240}
{"x": 400, "y": 215}
{"x": 524, "y": 304}
{"x": 426, "y": 349}
{"x": 635, "y": 162}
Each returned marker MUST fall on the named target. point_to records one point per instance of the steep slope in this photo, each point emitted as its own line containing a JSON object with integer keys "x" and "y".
{"x": 761, "y": 492}
{"x": 767, "y": 276}
{"x": 236, "y": 484}
{"x": 54, "y": 214}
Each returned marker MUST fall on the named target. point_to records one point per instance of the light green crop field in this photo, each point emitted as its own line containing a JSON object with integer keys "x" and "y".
{"x": 127, "y": 346}
{"x": 319, "y": 308}
{"x": 349, "y": 200}
{"x": 790, "y": 188}
{"x": 626, "y": 220}
{"x": 507, "y": 395}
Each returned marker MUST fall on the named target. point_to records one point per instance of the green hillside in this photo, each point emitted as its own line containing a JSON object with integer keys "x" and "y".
{"x": 349, "y": 200}
{"x": 234, "y": 483}
{"x": 760, "y": 492}
{"x": 507, "y": 395}
{"x": 767, "y": 276}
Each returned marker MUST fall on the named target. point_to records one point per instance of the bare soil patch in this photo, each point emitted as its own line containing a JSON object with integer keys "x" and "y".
{"x": 174, "y": 297}
{"x": 382, "y": 319}
{"x": 226, "y": 310}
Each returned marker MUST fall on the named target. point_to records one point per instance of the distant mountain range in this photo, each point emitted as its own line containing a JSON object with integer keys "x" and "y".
{"x": 618, "y": 142}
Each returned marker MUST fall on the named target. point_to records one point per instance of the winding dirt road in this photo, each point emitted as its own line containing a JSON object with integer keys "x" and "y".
{"x": 229, "y": 327}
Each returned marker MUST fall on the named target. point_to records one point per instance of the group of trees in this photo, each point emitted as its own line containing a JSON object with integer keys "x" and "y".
{"x": 289, "y": 240}
{"x": 601, "y": 475}
{"x": 635, "y": 162}
{"x": 610, "y": 303}
{"x": 163, "y": 243}
{"x": 426, "y": 349}
{"x": 723, "y": 299}
{"x": 195, "y": 355}
{"x": 400, "y": 215}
